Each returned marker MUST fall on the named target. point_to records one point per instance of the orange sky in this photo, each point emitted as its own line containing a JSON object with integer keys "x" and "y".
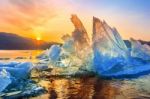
{"x": 50, "y": 19}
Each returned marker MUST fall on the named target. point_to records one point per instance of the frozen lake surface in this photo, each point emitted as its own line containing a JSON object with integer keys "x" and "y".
{"x": 19, "y": 55}
{"x": 83, "y": 87}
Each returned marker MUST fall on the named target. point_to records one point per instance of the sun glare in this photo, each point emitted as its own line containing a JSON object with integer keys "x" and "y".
{"x": 38, "y": 38}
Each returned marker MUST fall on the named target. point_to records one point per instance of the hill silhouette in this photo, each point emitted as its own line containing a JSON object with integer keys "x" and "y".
{"x": 10, "y": 41}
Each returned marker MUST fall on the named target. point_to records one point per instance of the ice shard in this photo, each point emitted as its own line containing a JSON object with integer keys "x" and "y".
{"x": 115, "y": 38}
{"x": 75, "y": 48}
{"x": 139, "y": 51}
{"x": 119, "y": 39}
{"x": 79, "y": 35}
{"x": 80, "y": 38}
{"x": 109, "y": 48}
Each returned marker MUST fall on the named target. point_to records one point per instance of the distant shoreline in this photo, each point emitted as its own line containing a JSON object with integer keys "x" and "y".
{"x": 10, "y": 41}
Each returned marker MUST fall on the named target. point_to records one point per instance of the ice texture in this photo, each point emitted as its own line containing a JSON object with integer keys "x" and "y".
{"x": 128, "y": 71}
{"x": 79, "y": 35}
{"x": 109, "y": 48}
{"x": 19, "y": 71}
{"x": 8, "y": 64}
{"x": 4, "y": 79}
{"x": 54, "y": 53}
{"x": 68, "y": 46}
{"x": 76, "y": 48}
{"x": 139, "y": 51}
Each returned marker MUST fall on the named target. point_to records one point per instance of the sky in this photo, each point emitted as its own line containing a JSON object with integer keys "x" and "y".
{"x": 49, "y": 20}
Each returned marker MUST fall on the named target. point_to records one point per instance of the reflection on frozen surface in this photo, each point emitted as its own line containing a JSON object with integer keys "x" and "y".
{"x": 78, "y": 88}
{"x": 95, "y": 88}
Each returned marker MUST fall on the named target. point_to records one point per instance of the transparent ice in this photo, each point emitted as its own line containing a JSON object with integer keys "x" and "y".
{"x": 106, "y": 55}
{"x": 4, "y": 79}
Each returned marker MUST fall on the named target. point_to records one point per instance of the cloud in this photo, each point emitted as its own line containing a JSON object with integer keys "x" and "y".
{"x": 25, "y": 15}
{"x": 24, "y": 5}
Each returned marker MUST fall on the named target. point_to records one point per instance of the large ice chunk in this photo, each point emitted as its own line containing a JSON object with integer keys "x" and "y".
{"x": 109, "y": 48}
{"x": 20, "y": 71}
{"x": 139, "y": 51}
{"x": 4, "y": 79}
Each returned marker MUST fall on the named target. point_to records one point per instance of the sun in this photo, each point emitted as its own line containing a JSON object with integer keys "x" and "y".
{"x": 38, "y": 38}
